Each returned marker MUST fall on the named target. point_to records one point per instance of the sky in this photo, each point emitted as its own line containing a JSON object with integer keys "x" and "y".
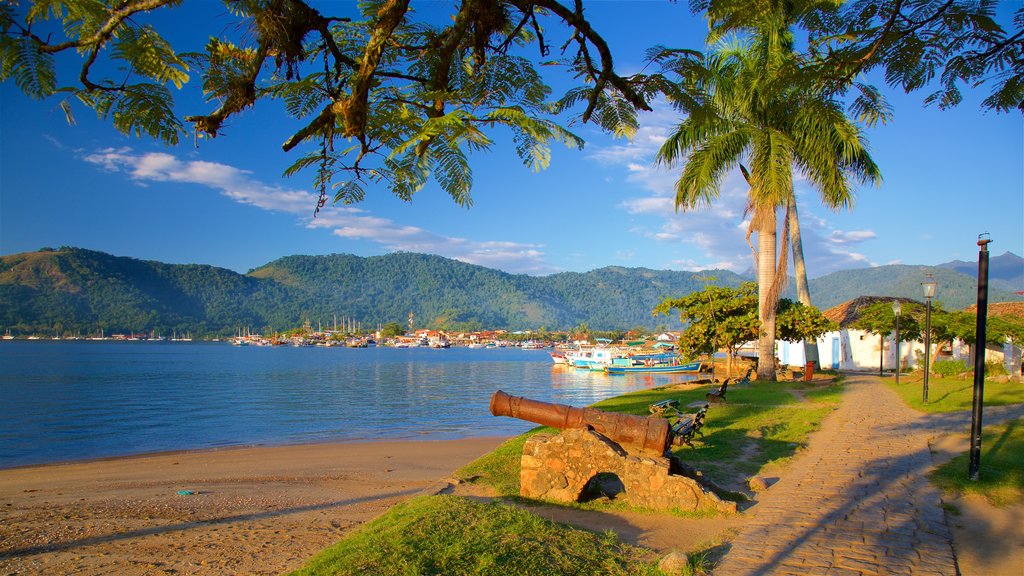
{"x": 948, "y": 177}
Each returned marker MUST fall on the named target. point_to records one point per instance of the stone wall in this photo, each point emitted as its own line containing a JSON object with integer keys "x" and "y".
{"x": 559, "y": 467}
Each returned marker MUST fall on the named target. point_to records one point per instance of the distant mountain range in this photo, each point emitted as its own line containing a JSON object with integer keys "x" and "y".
{"x": 82, "y": 291}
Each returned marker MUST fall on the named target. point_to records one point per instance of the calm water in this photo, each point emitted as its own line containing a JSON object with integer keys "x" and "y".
{"x": 73, "y": 400}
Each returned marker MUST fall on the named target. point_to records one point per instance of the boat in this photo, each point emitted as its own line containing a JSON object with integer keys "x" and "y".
{"x": 653, "y": 368}
{"x": 590, "y": 357}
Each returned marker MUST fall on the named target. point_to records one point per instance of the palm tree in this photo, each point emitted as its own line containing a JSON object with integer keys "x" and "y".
{"x": 750, "y": 100}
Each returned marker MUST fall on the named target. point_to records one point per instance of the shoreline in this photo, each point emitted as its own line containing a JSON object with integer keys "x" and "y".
{"x": 236, "y": 509}
{"x": 423, "y": 438}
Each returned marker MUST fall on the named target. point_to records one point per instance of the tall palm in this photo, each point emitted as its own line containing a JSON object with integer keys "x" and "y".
{"x": 750, "y": 101}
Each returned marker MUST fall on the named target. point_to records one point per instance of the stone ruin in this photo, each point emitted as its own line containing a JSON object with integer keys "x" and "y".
{"x": 577, "y": 463}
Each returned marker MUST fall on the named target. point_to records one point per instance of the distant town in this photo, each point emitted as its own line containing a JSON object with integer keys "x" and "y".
{"x": 352, "y": 335}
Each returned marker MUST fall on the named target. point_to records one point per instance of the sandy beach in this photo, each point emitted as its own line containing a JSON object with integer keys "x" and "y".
{"x": 262, "y": 510}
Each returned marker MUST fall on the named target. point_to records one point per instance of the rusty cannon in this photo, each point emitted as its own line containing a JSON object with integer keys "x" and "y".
{"x": 646, "y": 434}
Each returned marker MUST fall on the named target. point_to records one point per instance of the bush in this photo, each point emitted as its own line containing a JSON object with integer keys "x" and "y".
{"x": 995, "y": 368}
{"x": 949, "y": 367}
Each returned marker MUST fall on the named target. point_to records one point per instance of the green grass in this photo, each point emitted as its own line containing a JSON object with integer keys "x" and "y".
{"x": 499, "y": 468}
{"x": 1001, "y": 473}
{"x": 761, "y": 425}
{"x": 453, "y": 535}
{"x": 953, "y": 394}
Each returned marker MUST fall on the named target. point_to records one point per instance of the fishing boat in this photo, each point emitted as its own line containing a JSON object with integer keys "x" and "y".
{"x": 653, "y": 368}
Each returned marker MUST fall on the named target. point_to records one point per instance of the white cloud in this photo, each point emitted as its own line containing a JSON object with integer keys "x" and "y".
{"x": 343, "y": 221}
{"x": 851, "y": 236}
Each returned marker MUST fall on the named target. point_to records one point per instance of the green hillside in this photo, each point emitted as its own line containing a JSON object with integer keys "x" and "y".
{"x": 74, "y": 290}
{"x": 956, "y": 290}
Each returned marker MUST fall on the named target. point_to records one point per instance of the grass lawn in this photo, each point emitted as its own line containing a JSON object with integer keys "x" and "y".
{"x": 953, "y": 394}
{"x": 1001, "y": 474}
{"x": 452, "y": 535}
{"x": 760, "y": 426}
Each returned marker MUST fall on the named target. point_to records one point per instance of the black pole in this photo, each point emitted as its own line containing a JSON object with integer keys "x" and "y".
{"x": 979, "y": 360}
{"x": 897, "y": 349}
{"x": 927, "y": 347}
{"x": 881, "y": 355}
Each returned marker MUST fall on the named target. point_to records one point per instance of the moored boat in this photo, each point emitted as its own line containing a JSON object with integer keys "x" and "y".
{"x": 663, "y": 368}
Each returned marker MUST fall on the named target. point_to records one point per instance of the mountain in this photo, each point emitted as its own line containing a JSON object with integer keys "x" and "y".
{"x": 1005, "y": 272}
{"x": 85, "y": 291}
{"x": 955, "y": 290}
{"x": 82, "y": 291}
{"x": 444, "y": 292}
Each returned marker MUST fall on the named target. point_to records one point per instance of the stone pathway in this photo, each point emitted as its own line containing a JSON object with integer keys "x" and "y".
{"x": 856, "y": 502}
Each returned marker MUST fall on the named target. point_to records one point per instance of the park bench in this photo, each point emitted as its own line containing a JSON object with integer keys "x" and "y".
{"x": 659, "y": 408}
{"x": 718, "y": 395}
{"x": 686, "y": 429}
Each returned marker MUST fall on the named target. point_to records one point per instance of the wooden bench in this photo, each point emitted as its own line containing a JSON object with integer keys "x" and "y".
{"x": 685, "y": 430}
{"x": 718, "y": 395}
{"x": 659, "y": 408}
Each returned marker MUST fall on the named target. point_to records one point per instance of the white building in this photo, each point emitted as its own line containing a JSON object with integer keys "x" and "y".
{"x": 852, "y": 349}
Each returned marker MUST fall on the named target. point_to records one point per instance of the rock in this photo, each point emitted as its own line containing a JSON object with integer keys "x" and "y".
{"x": 674, "y": 563}
{"x": 757, "y": 484}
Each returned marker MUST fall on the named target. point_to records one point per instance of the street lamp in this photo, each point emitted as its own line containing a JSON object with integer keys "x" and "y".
{"x": 928, "y": 286}
{"x": 896, "y": 310}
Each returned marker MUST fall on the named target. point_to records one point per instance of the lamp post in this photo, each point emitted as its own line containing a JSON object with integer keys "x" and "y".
{"x": 977, "y": 406}
{"x": 928, "y": 286}
{"x": 896, "y": 311}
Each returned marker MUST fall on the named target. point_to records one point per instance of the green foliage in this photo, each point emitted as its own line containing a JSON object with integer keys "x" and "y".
{"x": 715, "y": 317}
{"x": 919, "y": 43}
{"x": 1001, "y": 473}
{"x": 880, "y": 319}
{"x": 137, "y": 102}
{"x": 722, "y": 317}
{"x": 995, "y": 368}
{"x": 407, "y": 98}
{"x": 949, "y": 367}
{"x": 452, "y": 535}
{"x": 797, "y": 322}
{"x": 392, "y": 329}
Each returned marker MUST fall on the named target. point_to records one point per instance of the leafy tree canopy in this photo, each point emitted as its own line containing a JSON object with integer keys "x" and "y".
{"x": 914, "y": 43}
{"x": 721, "y": 317}
{"x": 880, "y": 319}
{"x": 380, "y": 93}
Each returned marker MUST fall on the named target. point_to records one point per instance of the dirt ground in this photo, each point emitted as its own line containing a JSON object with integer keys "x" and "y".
{"x": 236, "y": 511}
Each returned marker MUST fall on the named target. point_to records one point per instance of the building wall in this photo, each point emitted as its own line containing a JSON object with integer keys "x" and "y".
{"x": 847, "y": 349}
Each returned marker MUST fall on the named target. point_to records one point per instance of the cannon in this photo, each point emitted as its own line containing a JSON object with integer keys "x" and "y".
{"x": 647, "y": 434}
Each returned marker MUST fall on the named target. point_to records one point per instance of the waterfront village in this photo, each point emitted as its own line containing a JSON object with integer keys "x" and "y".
{"x": 846, "y": 347}
{"x": 353, "y": 336}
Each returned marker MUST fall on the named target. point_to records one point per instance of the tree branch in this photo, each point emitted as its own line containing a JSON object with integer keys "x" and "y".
{"x": 586, "y": 33}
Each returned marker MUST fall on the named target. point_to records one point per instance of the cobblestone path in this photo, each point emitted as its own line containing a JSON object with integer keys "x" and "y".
{"x": 856, "y": 502}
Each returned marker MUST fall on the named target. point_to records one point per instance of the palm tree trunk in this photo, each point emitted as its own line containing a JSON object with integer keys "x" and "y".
{"x": 803, "y": 291}
{"x": 767, "y": 306}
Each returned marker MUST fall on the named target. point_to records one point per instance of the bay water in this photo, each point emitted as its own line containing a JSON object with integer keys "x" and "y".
{"x": 74, "y": 400}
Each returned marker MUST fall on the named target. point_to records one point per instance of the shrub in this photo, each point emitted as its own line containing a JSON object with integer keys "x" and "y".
{"x": 949, "y": 367}
{"x": 995, "y": 368}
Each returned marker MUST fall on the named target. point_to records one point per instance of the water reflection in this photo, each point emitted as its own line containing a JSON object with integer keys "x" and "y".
{"x": 71, "y": 400}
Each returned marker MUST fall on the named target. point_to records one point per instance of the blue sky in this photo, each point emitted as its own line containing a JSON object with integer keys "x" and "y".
{"x": 948, "y": 176}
